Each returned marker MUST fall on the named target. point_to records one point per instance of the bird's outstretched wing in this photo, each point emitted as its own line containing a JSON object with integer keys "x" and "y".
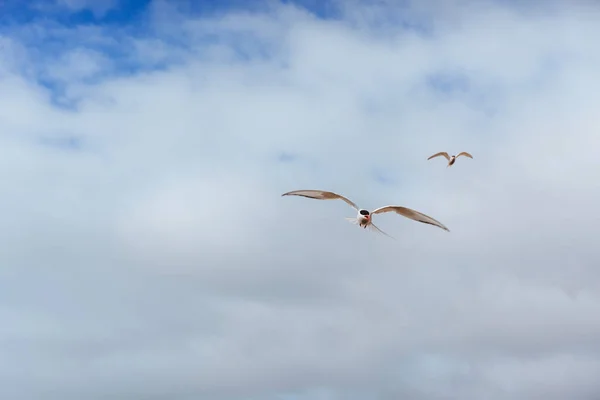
{"x": 412, "y": 214}
{"x": 320, "y": 195}
{"x": 464, "y": 153}
{"x": 441, "y": 153}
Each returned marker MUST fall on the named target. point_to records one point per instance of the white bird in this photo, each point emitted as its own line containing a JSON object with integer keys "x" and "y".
{"x": 364, "y": 218}
{"x": 452, "y": 159}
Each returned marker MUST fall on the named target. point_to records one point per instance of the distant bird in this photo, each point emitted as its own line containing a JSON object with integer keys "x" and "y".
{"x": 451, "y": 160}
{"x": 364, "y": 218}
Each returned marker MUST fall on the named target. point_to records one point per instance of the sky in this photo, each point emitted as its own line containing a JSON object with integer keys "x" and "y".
{"x": 147, "y": 252}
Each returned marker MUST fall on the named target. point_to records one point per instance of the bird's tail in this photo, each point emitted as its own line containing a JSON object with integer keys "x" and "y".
{"x": 374, "y": 227}
{"x": 352, "y": 220}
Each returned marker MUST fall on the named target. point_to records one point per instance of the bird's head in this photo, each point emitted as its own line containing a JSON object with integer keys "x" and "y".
{"x": 364, "y": 214}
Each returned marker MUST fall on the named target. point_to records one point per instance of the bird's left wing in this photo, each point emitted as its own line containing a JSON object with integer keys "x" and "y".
{"x": 320, "y": 195}
{"x": 412, "y": 214}
{"x": 441, "y": 153}
{"x": 464, "y": 153}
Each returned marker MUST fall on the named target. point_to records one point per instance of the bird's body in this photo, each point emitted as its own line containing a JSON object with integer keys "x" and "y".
{"x": 364, "y": 218}
{"x": 451, "y": 159}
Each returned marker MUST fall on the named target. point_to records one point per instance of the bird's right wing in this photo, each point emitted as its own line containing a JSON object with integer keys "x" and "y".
{"x": 320, "y": 195}
{"x": 441, "y": 153}
{"x": 464, "y": 153}
{"x": 412, "y": 214}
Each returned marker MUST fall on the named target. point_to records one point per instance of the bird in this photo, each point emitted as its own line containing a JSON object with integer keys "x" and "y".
{"x": 364, "y": 218}
{"x": 451, "y": 160}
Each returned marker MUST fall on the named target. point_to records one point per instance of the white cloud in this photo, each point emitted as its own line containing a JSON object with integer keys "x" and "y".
{"x": 158, "y": 258}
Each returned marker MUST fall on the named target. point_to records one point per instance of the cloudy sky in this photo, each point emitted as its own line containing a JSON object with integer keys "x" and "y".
{"x": 147, "y": 252}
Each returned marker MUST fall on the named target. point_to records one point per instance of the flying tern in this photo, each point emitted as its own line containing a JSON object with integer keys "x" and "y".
{"x": 364, "y": 218}
{"x": 451, "y": 160}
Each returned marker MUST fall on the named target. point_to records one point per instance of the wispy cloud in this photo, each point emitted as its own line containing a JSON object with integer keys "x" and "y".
{"x": 98, "y": 7}
{"x": 147, "y": 251}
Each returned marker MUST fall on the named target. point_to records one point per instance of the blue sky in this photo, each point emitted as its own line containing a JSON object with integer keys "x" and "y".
{"x": 120, "y": 18}
{"x": 147, "y": 251}
{"x": 125, "y": 12}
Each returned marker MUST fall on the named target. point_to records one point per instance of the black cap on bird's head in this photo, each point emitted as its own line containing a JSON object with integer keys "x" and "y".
{"x": 363, "y": 212}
